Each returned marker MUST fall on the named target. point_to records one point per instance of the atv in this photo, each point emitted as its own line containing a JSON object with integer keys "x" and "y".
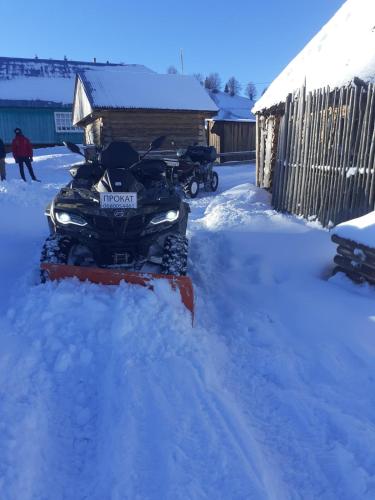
{"x": 193, "y": 168}
{"x": 118, "y": 218}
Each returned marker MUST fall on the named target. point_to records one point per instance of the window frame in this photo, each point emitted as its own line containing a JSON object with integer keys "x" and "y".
{"x": 59, "y": 122}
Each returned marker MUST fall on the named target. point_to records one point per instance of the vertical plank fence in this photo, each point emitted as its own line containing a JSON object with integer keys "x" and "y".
{"x": 323, "y": 160}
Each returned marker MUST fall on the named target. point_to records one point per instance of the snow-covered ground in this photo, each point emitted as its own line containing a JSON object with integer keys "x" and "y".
{"x": 109, "y": 393}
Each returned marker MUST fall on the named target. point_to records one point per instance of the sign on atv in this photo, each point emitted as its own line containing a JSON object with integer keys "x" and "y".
{"x": 118, "y": 200}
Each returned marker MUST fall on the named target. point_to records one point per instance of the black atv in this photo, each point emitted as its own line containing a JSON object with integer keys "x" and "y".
{"x": 119, "y": 211}
{"x": 193, "y": 168}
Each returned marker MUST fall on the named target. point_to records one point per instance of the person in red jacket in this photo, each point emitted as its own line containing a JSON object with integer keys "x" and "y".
{"x": 23, "y": 153}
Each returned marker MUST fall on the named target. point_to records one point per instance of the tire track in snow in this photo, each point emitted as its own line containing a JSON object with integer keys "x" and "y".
{"x": 121, "y": 404}
{"x": 295, "y": 415}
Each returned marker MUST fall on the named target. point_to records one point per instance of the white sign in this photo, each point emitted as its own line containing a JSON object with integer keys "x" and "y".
{"x": 118, "y": 200}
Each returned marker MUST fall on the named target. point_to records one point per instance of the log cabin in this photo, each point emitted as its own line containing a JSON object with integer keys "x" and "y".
{"x": 137, "y": 107}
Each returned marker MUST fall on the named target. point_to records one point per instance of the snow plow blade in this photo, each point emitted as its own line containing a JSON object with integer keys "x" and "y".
{"x": 115, "y": 276}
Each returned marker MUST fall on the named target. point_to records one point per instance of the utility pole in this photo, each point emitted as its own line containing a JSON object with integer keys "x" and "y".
{"x": 182, "y": 61}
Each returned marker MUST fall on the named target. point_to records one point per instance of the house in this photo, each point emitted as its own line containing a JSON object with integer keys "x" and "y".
{"x": 139, "y": 106}
{"x": 232, "y": 129}
{"x": 37, "y": 94}
{"x": 316, "y": 122}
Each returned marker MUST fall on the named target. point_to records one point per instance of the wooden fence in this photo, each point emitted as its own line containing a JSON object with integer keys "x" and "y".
{"x": 324, "y": 148}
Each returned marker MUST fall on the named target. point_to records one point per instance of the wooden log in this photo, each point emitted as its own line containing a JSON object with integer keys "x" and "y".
{"x": 321, "y": 145}
{"x": 327, "y": 159}
{"x": 309, "y": 156}
{"x": 305, "y": 137}
{"x": 362, "y": 270}
{"x": 369, "y": 154}
{"x": 347, "y": 213}
{"x": 284, "y": 152}
{"x": 288, "y": 154}
{"x": 295, "y": 203}
{"x": 355, "y": 277}
{"x": 334, "y": 156}
{"x": 352, "y": 245}
{"x": 257, "y": 148}
{"x": 355, "y": 201}
{"x": 261, "y": 150}
{"x": 356, "y": 255}
{"x": 340, "y": 165}
{"x": 292, "y": 155}
{"x": 279, "y": 165}
{"x": 343, "y": 185}
{"x": 315, "y": 156}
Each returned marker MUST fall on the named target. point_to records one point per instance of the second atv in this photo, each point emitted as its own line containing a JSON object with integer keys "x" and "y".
{"x": 193, "y": 168}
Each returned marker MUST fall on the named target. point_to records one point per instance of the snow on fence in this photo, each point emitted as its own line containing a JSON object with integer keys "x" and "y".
{"x": 317, "y": 156}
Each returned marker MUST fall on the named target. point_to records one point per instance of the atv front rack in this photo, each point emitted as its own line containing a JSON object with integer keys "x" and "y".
{"x": 115, "y": 276}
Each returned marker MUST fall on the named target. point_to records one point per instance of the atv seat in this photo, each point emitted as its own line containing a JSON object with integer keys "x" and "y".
{"x": 149, "y": 171}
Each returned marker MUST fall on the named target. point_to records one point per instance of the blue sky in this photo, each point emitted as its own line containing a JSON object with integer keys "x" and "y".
{"x": 252, "y": 40}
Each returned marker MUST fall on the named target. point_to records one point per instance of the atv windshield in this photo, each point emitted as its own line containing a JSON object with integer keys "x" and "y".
{"x": 118, "y": 155}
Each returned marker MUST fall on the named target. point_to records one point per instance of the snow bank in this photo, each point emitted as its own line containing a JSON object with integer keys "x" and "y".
{"x": 342, "y": 50}
{"x": 361, "y": 230}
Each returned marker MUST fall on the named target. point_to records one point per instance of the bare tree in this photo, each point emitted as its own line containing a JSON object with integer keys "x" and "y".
{"x": 199, "y": 77}
{"x": 251, "y": 91}
{"x": 172, "y": 70}
{"x": 213, "y": 82}
{"x": 234, "y": 86}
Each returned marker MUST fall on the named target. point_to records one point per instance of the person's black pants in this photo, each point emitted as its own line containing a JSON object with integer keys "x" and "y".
{"x": 27, "y": 162}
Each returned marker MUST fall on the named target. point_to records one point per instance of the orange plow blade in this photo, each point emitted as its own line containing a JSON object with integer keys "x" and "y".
{"x": 115, "y": 276}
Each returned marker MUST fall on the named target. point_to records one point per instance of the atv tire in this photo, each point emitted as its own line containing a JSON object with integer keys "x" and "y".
{"x": 175, "y": 255}
{"x": 212, "y": 182}
{"x": 191, "y": 187}
{"x": 55, "y": 250}
{"x": 59, "y": 249}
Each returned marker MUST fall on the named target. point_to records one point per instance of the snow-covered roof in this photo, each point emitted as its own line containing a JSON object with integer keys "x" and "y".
{"x": 343, "y": 49}
{"x": 134, "y": 90}
{"x": 41, "y": 82}
{"x": 232, "y": 108}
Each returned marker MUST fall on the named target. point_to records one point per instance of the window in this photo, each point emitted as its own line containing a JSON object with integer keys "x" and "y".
{"x": 63, "y": 122}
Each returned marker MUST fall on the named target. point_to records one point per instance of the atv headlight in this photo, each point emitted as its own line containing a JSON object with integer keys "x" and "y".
{"x": 69, "y": 218}
{"x": 169, "y": 216}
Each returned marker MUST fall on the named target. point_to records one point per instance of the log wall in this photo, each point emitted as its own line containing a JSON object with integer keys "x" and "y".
{"x": 320, "y": 161}
{"x": 141, "y": 127}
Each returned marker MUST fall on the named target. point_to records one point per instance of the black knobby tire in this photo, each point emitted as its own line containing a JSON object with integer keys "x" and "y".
{"x": 214, "y": 181}
{"x": 55, "y": 250}
{"x": 191, "y": 187}
{"x": 175, "y": 255}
